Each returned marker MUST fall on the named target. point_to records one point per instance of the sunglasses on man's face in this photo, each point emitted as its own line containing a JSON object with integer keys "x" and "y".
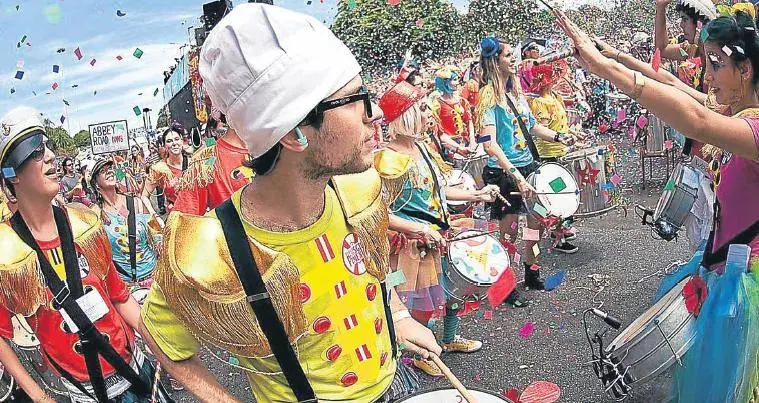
{"x": 323, "y": 106}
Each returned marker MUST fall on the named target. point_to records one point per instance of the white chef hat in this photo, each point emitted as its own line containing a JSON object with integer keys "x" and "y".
{"x": 266, "y": 67}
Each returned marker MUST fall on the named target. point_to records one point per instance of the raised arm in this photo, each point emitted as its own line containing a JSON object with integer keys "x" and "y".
{"x": 661, "y": 36}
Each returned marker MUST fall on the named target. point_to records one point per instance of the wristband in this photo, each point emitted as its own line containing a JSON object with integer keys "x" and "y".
{"x": 400, "y": 315}
{"x": 640, "y": 82}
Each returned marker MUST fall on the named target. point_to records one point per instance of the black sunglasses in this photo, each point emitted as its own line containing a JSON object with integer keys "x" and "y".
{"x": 39, "y": 153}
{"x": 323, "y": 106}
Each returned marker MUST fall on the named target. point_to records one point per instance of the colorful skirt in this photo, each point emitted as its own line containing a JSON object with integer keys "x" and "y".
{"x": 721, "y": 366}
{"x": 423, "y": 269}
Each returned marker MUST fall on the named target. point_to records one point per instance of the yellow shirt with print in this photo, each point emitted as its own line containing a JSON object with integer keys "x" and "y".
{"x": 549, "y": 111}
{"x": 346, "y": 354}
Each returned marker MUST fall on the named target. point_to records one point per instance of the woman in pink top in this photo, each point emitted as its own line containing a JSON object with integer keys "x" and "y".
{"x": 724, "y": 298}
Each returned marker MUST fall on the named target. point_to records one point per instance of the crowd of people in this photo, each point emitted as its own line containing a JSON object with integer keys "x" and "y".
{"x": 311, "y": 234}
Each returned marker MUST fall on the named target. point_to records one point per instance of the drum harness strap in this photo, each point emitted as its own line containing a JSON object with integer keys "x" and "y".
{"x": 720, "y": 255}
{"x": 523, "y": 127}
{"x": 437, "y": 190}
{"x": 260, "y": 301}
{"x": 65, "y": 294}
{"x": 132, "y": 237}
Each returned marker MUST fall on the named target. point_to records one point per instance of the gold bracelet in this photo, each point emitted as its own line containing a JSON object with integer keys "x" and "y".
{"x": 640, "y": 82}
{"x": 619, "y": 53}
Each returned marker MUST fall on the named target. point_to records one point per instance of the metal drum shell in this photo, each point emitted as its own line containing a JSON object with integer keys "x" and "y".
{"x": 656, "y": 135}
{"x": 675, "y": 205}
{"x": 473, "y": 165}
{"x": 593, "y": 201}
{"x": 643, "y": 348}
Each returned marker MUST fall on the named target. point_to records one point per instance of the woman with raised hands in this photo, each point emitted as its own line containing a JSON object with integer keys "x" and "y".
{"x": 724, "y": 344}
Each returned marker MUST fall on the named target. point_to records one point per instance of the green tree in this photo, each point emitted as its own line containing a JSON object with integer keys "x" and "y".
{"x": 61, "y": 142}
{"x": 379, "y": 34}
{"x": 163, "y": 118}
{"x": 82, "y": 139}
{"x": 510, "y": 20}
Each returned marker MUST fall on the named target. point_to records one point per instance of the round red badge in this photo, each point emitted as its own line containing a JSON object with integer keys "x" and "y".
{"x": 354, "y": 254}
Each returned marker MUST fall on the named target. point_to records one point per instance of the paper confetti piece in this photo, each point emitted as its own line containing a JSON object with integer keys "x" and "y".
{"x": 395, "y": 278}
{"x": 119, "y": 58}
{"x": 419, "y": 22}
{"x": 621, "y": 115}
{"x": 155, "y": 92}
{"x": 19, "y": 75}
{"x": 517, "y": 258}
{"x": 642, "y": 121}
{"x": 469, "y": 307}
{"x": 670, "y": 185}
{"x": 656, "y": 60}
{"x": 92, "y": 62}
{"x": 538, "y": 208}
{"x": 512, "y": 394}
{"x": 137, "y": 111}
{"x": 56, "y": 68}
{"x": 63, "y": 119}
{"x": 488, "y": 314}
{"x": 535, "y": 250}
{"x": 540, "y": 392}
{"x": 557, "y": 185}
{"x": 553, "y": 282}
{"x": 61, "y": 50}
{"x": 526, "y": 330}
{"x": 55, "y": 86}
{"x": 393, "y": 2}
{"x": 120, "y": 13}
{"x": 13, "y": 90}
{"x": 615, "y": 179}
{"x": 78, "y": 53}
{"x": 66, "y": 102}
{"x": 668, "y": 144}
{"x": 233, "y": 360}
{"x": 138, "y": 53}
{"x": 352, "y": 4}
{"x": 514, "y": 225}
{"x": 501, "y": 289}
{"x": 529, "y": 234}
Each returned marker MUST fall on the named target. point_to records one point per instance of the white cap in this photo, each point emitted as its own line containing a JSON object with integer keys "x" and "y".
{"x": 703, "y": 7}
{"x": 22, "y": 130}
{"x": 266, "y": 67}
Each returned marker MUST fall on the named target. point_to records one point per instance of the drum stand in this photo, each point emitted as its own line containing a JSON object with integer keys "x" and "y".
{"x": 645, "y": 154}
{"x": 614, "y": 378}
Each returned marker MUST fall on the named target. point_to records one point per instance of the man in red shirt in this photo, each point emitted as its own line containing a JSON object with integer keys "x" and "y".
{"x": 56, "y": 271}
{"x": 214, "y": 173}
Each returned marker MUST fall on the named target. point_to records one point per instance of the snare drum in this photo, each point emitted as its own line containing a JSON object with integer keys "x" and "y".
{"x": 140, "y": 290}
{"x": 676, "y": 203}
{"x": 557, "y": 191}
{"x": 450, "y": 395}
{"x": 592, "y": 169}
{"x": 651, "y": 344}
{"x": 462, "y": 180}
{"x": 474, "y": 264}
{"x": 473, "y": 165}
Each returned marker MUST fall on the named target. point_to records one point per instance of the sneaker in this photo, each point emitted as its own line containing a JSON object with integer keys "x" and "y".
{"x": 515, "y": 301}
{"x": 427, "y": 366}
{"x": 569, "y": 236}
{"x": 567, "y": 248}
{"x": 462, "y": 345}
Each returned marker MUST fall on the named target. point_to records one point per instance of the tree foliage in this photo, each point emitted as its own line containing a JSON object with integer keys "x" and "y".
{"x": 82, "y": 139}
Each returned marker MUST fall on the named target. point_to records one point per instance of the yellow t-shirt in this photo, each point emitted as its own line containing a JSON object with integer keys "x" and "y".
{"x": 346, "y": 354}
{"x": 549, "y": 111}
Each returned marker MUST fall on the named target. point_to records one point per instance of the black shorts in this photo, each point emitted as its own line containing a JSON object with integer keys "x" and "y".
{"x": 507, "y": 184}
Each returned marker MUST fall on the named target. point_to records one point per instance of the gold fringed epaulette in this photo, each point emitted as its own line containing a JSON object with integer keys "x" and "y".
{"x": 487, "y": 99}
{"x": 21, "y": 279}
{"x": 160, "y": 172}
{"x": 197, "y": 276}
{"x": 394, "y": 170}
{"x": 91, "y": 238}
{"x": 199, "y": 172}
{"x": 366, "y": 212}
{"x": 5, "y": 211}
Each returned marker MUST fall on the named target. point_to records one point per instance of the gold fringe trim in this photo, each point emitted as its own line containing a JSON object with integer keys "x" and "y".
{"x": 371, "y": 226}
{"x": 393, "y": 187}
{"x": 199, "y": 173}
{"x": 23, "y": 286}
{"x": 486, "y": 100}
{"x": 227, "y": 321}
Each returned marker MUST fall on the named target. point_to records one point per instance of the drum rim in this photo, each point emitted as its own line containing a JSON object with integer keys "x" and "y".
{"x": 482, "y": 233}
{"x": 438, "y": 388}
{"x": 665, "y": 200}
{"x": 540, "y": 198}
{"x": 570, "y": 157}
{"x": 675, "y": 293}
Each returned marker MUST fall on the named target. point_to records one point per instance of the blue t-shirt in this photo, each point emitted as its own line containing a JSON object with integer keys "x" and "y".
{"x": 147, "y": 256}
{"x": 508, "y": 133}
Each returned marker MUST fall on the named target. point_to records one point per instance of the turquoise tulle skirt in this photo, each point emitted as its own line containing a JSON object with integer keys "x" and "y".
{"x": 721, "y": 366}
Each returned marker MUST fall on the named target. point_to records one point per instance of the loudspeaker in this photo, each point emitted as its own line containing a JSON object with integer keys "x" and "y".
{"x": 214, "y": 11}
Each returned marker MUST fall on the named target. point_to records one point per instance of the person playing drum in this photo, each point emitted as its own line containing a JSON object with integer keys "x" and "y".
{"x": 55, "y": 264}
{"x": 731, "y": 48}
{"x": 549, "y": 111}
{"x": 289, "y": 275}
{"x": 452, "y": 113}
{"x": 412, "y": 175}
{"x": 505, "y": 140}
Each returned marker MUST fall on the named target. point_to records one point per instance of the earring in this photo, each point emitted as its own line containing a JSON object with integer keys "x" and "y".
{"x": 301, "y": 138}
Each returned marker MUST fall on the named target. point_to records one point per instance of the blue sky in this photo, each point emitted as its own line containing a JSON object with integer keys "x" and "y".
{"x": 158, "y": 27}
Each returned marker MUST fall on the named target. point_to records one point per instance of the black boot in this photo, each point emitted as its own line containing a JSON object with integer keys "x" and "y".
{"x": 532, "y": 279}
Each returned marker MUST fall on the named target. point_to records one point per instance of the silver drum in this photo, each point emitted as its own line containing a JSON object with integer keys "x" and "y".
{"x": 656, "y": 135}
{"x": 676, "y": 202}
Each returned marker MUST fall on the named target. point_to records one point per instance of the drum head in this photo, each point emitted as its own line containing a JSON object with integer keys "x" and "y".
{"x": 462, "y": 180}
{"x": 557, "y": 190}
{"x": 450, "y": 395}
{"x": 23, "y": 334}
{"x": 481, "y": 259}
{"x": 140, "y": 294}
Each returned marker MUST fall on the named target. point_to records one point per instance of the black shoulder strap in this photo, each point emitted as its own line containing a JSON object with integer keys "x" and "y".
{"x": 185, "y": 162}
{"x": 436, "y": 185}
{"x": 720, "y": 255}
{"x": 132, "y": 236}
{"x": 65, "y": 295}
{"x": 260, "y": 301}
{"x": 525, "y": 132}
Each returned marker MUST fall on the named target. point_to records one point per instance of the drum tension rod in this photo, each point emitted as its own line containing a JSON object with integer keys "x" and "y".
{"x": 666, "y": 339}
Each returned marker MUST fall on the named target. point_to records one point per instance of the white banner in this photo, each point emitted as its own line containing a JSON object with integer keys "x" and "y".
{"x": 109, "y": 137}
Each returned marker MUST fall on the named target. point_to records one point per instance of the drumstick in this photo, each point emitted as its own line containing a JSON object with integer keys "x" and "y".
{"x": 471, "y": 236}
{"x": 453, "y": 380}
{"x": 544, "y": 193}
